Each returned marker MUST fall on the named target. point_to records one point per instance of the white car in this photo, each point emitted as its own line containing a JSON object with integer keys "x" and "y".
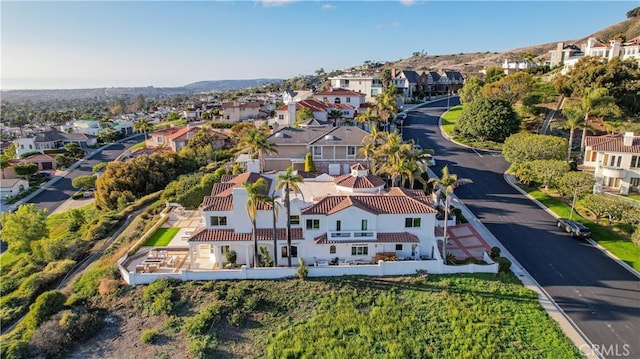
{"x": 430, "y": 161}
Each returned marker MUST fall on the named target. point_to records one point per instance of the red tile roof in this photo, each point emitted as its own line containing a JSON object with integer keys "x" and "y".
{"x": 264, "y": 234}
{"x": 351, "y": 181}
{"x": 376, "y": 204}
{"x": 390, "y": 237}
{"x": 612, "y": 143}
{"x": 221, "y": 198}
{"x": 339, "y": 92}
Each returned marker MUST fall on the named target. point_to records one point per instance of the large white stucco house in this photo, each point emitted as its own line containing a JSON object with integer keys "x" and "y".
{"x": 615, "y": 162}
{"x": 350, "y": 217}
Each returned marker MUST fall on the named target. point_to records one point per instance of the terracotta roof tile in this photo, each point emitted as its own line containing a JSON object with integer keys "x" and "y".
{"x": 377, "y": 204}
{"x": 221, "y": 198}
{"x": 351, "y": 181}
{"x": 339, "y": 92}
{"x": 390, "y": 237}
{"x": 612, "y": 143}
{"x": 224, "y": 235}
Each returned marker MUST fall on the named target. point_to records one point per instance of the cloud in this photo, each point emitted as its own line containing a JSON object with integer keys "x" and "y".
{"x": 328, "y": 6}
{"x": 379, "y": 26}
{"x": 407, "y": 2}
{"x": 273, "y": 3}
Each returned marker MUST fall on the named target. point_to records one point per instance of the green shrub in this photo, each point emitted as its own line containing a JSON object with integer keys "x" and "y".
{"x": 157, "y": 297}
{"x": 15, "y": 349}
{"x": 504, "y": 264}
{"x": 495, "y": 252}
{"x": 48, "y": 303}
{"x": 86, "y": 286}
{"x": 302, "y": 271}
{"x": 231, "y": 256}
{"x": 148, "y": 336}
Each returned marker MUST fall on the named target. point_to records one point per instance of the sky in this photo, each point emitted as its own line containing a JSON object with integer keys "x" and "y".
{"x": 90, "y": 44}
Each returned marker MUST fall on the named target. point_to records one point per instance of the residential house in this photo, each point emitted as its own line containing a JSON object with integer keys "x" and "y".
{"x": 600, "y": 49}
{"x": 367, "y": 84}
{"x": 12, "y": 187}
{"x": 351, "y": 218}
{"x": 615, "y": 162}
{"x": 45, "y": 163}
{"x": 243, "y": 111}
{"x": 286, "y": 114}
{"x": 176, "y": 138}
{"x": 296, "y": 96}
{"x": 562, "y": 53}
{"x": 334, "y": 149}
{"x": 52, "y": 140}
{"x": 407, "y": 82}
{"x": 339, "y": 96}
{"x": 513, "y": 66}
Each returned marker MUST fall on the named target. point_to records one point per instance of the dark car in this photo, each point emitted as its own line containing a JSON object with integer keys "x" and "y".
{"x": 577, "y": 229}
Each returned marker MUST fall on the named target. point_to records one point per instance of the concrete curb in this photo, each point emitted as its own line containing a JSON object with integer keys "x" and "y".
{"x": 510, "y": 179}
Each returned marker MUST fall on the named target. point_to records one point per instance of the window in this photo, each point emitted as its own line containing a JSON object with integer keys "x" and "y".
{"x": 635, "y": 182}
{"x": 398, "y": 247}
{"x": 338, "y": 226}
{"x": 224, "y": 249}
{"x": 374, "y": 92}
{"x": 635, "y": 161}
{"x": 294, "y": 219}
{"x": 280, "y": 117}
{"x": 325, "y": 99}
{"x": 412, "y": 222}
{"x": 359, "y": 251}
{"x": 313, "y": 224}
{"x": 160, "y": 139}
{"x": 294, "y": 252}
{"x": 348, "y": 99}
{"x": 351, "y": 151}
{"x": 332, "y": 250}
{"x": 30, "y": 147}
{"x": 317, "y": 151}
{"x": 218, "y": 221}
{"x": 364, "y": 224}
{"x": 336, "y": 100}
{"x": 615, "y": 161}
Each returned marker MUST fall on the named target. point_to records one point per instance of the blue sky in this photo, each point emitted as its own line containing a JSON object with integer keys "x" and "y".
{"x": 80, "y": 44}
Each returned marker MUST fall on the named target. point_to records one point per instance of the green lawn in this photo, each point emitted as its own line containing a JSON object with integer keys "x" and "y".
{"x": 621, "y": 247}
{"x": 162, "y": 237}
{"x": 632, "y": 196}
{"x": 138, "y": 145}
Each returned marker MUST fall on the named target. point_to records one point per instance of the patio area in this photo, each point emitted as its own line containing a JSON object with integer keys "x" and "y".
{"x": 464, "y": 241}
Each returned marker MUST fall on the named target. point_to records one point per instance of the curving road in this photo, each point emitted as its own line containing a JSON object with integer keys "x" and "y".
{"x": 599, "y": 295}
{"x": 52, "y": 197}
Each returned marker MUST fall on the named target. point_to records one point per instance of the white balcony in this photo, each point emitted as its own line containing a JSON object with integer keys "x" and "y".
{"x": 613, "y": 172}
{"x": 352, "y": 235}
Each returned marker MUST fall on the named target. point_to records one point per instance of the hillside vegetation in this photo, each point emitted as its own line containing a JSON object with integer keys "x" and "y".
{"x": 471, "y": 63}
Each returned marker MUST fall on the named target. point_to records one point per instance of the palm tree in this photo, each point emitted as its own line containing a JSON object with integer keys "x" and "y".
{"x": 273, "y": 201}
{"x": 143, "y": 125}
{"x": 445, "y": 185}
{"x": 288, "y": 182}
{"x": 387, "y": 105}
{"x": 395, "y": 169}
{"x": 574, "y": 114}
{"x": 256, "y": 144}
{"x": 255, "y": 196}
{"x": 335, "y": 115}
{"x": 597, "y": 102}
{"x": 368, "y": 117}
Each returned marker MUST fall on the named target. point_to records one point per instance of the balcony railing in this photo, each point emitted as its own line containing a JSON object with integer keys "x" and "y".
{"x": 352, "y": 235}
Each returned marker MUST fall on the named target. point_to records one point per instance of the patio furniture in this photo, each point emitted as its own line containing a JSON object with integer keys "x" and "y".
{"x": 322, "y": 263}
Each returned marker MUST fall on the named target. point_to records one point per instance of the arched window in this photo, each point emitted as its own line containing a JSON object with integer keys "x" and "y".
{"x": 337, "y": 100}
{"x": 332, "y": 250}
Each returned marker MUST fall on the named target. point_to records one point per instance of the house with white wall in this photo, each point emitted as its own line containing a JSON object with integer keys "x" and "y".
{"x": 614, "y": 161}
{"x": 12, "y": 187}
{"x": 52, "y": 140}
{"x": 242, "y": 111}
{"x": 615, "y": 48}
{"x": 350, "y": 217}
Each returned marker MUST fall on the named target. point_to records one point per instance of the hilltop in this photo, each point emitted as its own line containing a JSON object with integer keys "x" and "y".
{"x": 471, "y": 63}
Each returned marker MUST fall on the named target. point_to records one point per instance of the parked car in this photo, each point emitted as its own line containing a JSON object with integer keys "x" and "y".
{"x": 577, "y": 229}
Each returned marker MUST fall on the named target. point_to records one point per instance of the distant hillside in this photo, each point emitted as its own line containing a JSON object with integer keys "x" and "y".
{"x": 131, "y": 92}
{"x": 471, "y": 63}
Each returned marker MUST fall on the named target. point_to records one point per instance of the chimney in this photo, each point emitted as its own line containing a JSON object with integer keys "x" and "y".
{"x": 291, "y": 113}
{"x": 394, "y": 72}
{"x": 627, "y": 139}
{"x": 559, "y": 54}
{"x": 614, "y": 51}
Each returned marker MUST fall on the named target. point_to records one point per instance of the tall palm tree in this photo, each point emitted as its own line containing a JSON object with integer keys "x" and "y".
{"x": 143, "y": 125}
{"x": 335, "y": 115}
{"x": 444, "y": 186}
{"x": 273, "y": 201}
{"x": 255, "y": 196}
{"x": 367, "y": 118}
{"x": 387, "y": 105}
{"x": 575, "y": 115}
{"x": 288, "y": 182}
{"x": 395, "y": 169}
{"x": 256, "y": 144}
{"x": 597, "y": 102}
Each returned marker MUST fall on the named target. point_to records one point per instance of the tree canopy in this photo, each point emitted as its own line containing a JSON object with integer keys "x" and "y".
{"x": 511, "y": 88}
{"x": 471, "y": 90}
{"x": 488, "y": 119}
{"x": 25, "y": 225}
{"x": 526, "y": 147}
{"x": 493, "y": 74}
{"x": 84, "y": 182}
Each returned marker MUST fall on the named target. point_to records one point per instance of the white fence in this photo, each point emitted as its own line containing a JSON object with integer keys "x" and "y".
{"x": 381, "y": 269}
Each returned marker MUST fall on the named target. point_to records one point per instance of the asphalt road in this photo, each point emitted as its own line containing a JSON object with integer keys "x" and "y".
{"x": 598, "y": 294}
{"x": 52, "y": 197}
